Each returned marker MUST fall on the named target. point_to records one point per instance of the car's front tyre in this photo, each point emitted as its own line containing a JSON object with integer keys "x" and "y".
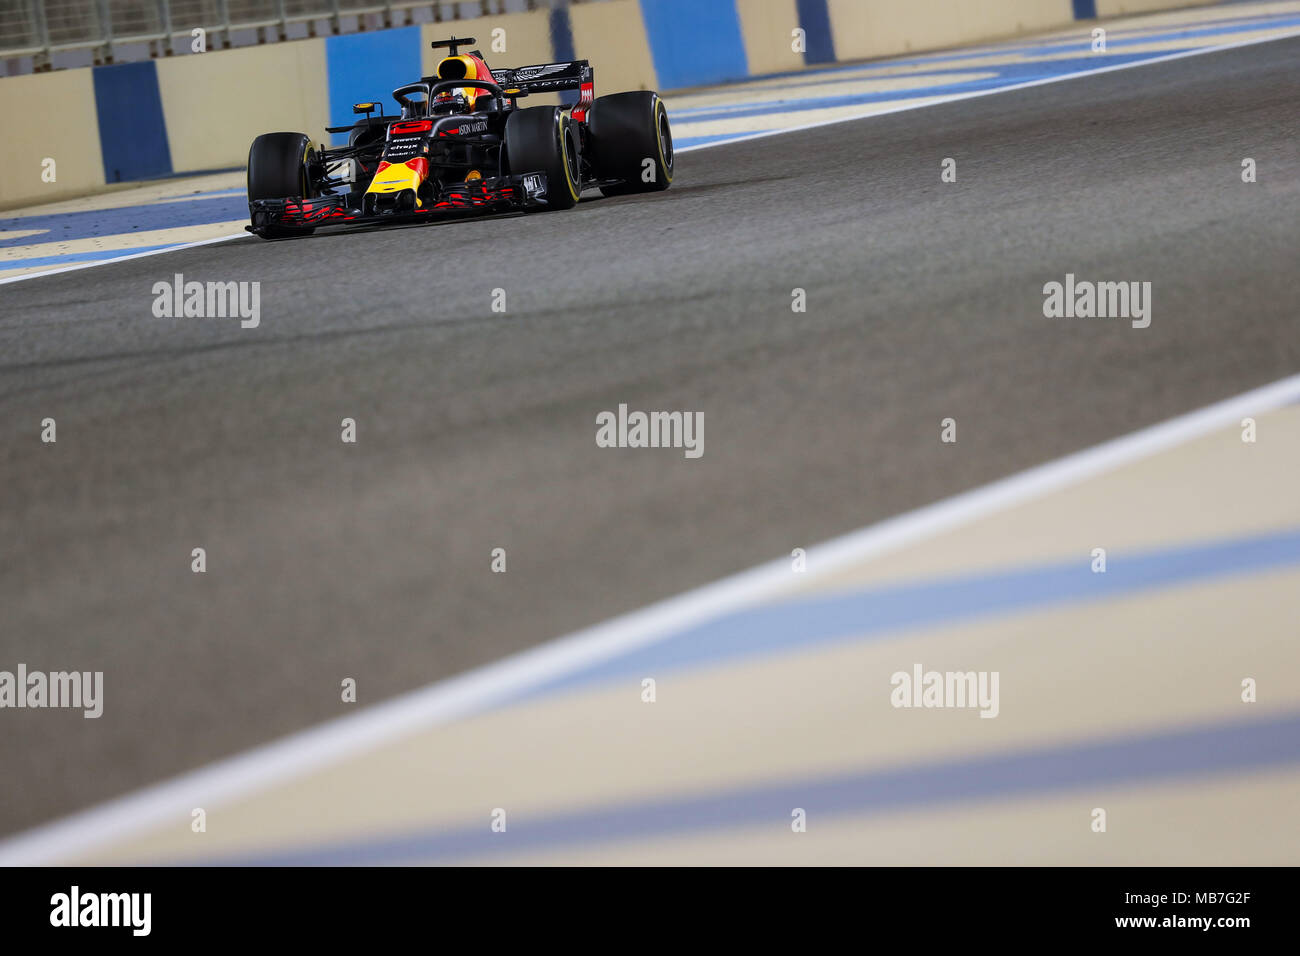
{"x": 278, "y": 168}
{"x": 545, "y": 139}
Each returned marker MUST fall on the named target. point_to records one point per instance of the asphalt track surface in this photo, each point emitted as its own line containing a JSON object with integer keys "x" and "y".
{"x": 476, "y": 429}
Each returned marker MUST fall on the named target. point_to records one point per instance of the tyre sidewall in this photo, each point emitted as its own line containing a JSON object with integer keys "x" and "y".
{"x": 544, "y": 139}
{"x": 278, "y": 169}
{"x": 626, "y": 130}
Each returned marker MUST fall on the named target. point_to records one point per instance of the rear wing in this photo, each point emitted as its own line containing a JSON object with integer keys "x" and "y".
{"x": 545, "y": 77}
{"x": 553, "y": 78}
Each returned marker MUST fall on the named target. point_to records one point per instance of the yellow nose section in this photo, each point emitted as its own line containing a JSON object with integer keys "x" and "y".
{"x": 396, "y": 177}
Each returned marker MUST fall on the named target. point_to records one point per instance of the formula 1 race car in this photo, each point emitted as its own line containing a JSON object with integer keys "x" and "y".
{"x": 463, "y": 144}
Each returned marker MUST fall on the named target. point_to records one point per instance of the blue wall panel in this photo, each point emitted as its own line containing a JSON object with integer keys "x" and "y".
{"x": 815, "y": 21}
{"x": 695, "y": 42}
{"x": 132, "y": 131}
{"x": 561, "y": 34}
{"x": 562, "y": 45}
{"x": 1085, "y": 9}
{"x": 367, "y": 67}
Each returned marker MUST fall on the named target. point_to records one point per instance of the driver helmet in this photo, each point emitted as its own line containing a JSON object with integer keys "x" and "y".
{"x": 451, "y": 101}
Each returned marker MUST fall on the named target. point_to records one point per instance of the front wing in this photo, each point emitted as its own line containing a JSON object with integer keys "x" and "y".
{"x": 495, "y": 194}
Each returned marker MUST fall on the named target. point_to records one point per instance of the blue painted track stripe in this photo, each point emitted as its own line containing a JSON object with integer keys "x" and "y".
{"x": 815, "y": 21}
{"x": 1179, "y": 754}
{"x": 132, "y": 131}
{"x": 121, "y": 221}
{"x": 894, "y": 610}
{"x": 1008, "y": 75}
{"x": 67, "y": 258}
{"x": 1081, "y": 45}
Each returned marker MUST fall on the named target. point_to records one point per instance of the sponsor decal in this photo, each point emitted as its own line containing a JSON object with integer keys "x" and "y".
{"x": 534, "y": 72}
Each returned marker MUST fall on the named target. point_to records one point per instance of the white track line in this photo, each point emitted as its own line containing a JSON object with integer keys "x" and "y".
{"x": 746, "y": 137}
{"x": 485, "y": 687}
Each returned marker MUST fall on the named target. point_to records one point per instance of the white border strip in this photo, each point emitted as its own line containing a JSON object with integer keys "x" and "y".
{"x": 746, "y": 137}
{"x": 262, "y": 767}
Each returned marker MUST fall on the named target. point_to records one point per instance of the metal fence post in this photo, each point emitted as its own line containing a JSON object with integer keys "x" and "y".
{"x": 105, "y": 30}
{"x": 165, "y": 23}
{"x": 41, "y": 61}
{"x": 223, "y": 10}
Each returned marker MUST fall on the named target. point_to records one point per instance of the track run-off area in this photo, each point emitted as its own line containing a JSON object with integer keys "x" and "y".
{"x": 371, "y": 561}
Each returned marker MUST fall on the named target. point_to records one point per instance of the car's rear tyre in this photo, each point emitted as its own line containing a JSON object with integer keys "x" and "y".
{"x": 631, "y": 141}
{"x": 545, "y": 139}
{"x": 278, "y": 169}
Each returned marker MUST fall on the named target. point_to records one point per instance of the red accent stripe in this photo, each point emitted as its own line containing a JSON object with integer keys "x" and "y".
{"x": 586, "y": 96}
{"x": 414, "y": 126}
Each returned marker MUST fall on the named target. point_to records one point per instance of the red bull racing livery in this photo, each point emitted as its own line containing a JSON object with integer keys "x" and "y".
{"x": 461, "y": 142}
